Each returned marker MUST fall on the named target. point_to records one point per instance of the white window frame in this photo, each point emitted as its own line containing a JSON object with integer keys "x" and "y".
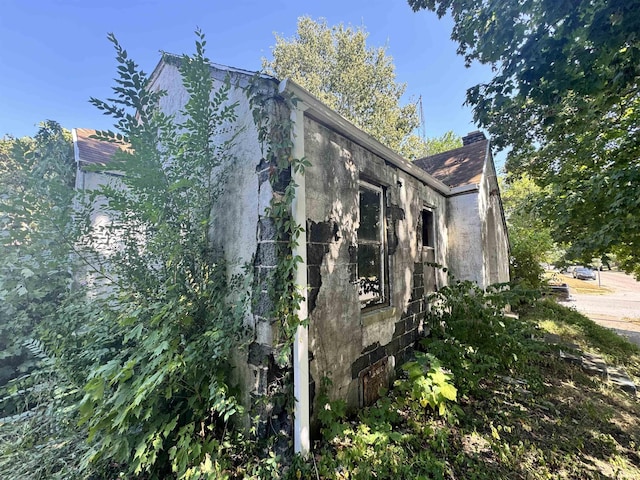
{"x": 383, "y": 298}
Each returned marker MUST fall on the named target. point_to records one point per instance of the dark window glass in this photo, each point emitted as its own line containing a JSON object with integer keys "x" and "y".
{"x": 428, "y": 239}
{"x": 371, "y": 247}
{"x": 370, "y": 217}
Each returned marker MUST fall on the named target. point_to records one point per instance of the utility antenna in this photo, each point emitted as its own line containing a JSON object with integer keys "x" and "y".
{"x": 422, "y": 122}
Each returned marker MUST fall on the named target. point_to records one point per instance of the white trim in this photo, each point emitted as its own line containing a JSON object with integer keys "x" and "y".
{"x": 79, "y": 183}
{"x": 464, "y": 189}
{"x": 302, "y": 430}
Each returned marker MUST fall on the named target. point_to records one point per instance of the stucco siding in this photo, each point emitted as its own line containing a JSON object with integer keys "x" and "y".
{"x": 345, "y": 340}
{"x": 240, "y": 229}
{"x": 465, "y": 247}
{"x": 243, "y": 199}
{"x": 495, "y": 247}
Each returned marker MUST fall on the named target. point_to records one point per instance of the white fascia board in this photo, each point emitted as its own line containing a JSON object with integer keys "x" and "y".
{"x": 323, "y": 113}
{"x": 464, "y": 189}
{"x": 76, "y": 150}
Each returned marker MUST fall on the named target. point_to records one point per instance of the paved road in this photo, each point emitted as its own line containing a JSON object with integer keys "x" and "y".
{"x": 619, "y": 310}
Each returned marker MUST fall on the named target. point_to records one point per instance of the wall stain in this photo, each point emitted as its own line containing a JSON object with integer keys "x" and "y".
{"x": 319, "y": 236}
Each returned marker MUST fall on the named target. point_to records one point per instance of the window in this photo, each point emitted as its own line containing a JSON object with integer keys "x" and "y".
{"x": 428, "y": 235}
{"x": 430, "y": 278}
{"x": 371, "y": 247}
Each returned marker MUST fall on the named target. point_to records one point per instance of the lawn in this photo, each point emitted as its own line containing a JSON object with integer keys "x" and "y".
{"x": 578, "y": 286}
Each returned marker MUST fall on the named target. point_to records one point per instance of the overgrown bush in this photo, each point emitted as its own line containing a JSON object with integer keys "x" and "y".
{"x": 378, "y": 443}
{"x": 428, "y": 386}
{"x": 142, "y": 346}
{"x": 36, "y": 191}
{"x": 158, "y": 398}
{"x": 472, "y": 336}
{"x": 40, "y": 439}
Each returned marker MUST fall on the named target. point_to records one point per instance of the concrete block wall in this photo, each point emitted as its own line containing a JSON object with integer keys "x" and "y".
{"x": 359, "y": 350}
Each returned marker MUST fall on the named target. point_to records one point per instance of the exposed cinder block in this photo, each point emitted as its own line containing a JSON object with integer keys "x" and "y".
{"x": 359, "y": 365}
{"x": 263, "y": 305}
{"x": 266, "y": 229}
{"x": 259, "y": 354}
{"x": 267, "y": 254}
{"x": 377, "y": 354}
{"x": 264, "y": 333}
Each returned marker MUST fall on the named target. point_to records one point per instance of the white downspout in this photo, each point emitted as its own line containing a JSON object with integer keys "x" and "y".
{"x": 301, "y": 435}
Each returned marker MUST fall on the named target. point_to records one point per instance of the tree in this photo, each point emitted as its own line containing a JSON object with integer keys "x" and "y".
{"x": 36, "y": 181}
{"x": 148, "y": 351}
{"x": 160, "y": 335}
{"x": 359, "y": 82}
{"x": 447, "y": 141}
{"x": 530, "y": 240}
{"x": 565, "y": 96}
{"x": 36, "y": 234}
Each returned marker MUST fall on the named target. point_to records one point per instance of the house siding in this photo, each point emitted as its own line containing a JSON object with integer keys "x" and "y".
{"x": 345, "y": 341}
{"x": 495, "y": 241}
{"x": 241, "y": 231}
{"x": 466, "y": 259}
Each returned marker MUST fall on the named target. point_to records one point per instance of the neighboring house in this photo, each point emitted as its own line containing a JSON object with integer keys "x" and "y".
{"x": 91, "y": 158}
{"x": 477, "y": 226}
{"x": 375, "y": 226}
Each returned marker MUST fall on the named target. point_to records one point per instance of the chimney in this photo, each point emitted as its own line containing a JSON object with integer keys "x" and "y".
{"x": 473, "y": 137}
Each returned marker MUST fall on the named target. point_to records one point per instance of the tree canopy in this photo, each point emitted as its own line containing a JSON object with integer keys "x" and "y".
{"x": 447, "y": 141}
{"x": 530, "y": 240}
{"x": 335, "y": 64}
{"x": 565, "y": 97}
{"x": 36, "y": 185}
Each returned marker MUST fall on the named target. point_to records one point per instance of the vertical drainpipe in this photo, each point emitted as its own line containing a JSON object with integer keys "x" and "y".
{"x": 301, "y": 435}
{"x": 79, "y": 183}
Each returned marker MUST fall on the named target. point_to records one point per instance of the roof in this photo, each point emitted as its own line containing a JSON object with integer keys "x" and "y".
{"x": 91, "y": 151}
{"x": 460, "y": 166}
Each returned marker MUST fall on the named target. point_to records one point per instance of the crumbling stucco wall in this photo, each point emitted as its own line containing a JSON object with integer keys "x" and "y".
{"x": 465, "y": 259}
{"x": 241, "y": 230}
{"x": 359, "y": 349}
{"x": 495, "y": 241}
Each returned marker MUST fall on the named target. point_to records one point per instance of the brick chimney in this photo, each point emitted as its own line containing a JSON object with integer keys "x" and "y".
{"x": 473, "y": 137}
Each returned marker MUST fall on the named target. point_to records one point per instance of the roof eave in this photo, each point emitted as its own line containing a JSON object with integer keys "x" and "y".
{"x": 464, "y": 189}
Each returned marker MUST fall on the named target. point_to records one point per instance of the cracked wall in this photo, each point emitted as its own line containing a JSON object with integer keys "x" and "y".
{"x": 241, "y": 231}
{"x": 356, "y": 349}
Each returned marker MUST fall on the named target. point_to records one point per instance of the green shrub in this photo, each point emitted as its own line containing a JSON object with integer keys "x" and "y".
{"x": 428, "y": 385}
{"x": 472, "y": 336}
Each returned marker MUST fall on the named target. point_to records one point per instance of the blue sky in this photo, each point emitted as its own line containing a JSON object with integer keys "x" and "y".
{"x": 55, "y": 54}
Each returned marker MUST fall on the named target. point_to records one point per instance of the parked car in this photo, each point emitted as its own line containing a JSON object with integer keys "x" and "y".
{"x": 584, "y": 274}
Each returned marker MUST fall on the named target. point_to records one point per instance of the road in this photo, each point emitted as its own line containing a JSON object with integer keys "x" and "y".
{"x": 618, "y": 310}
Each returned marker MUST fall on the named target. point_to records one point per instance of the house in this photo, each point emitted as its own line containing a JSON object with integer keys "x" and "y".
{"x": 375, "y": 228}
{"x": 475, "y": 208}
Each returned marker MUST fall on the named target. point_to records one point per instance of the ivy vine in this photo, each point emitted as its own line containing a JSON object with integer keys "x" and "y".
{"x": 276, "y": 143}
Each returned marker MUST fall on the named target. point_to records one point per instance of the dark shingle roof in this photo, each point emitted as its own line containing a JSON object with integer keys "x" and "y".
{"x": 92, "y": 151}
{"x": 460, "y": 166}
